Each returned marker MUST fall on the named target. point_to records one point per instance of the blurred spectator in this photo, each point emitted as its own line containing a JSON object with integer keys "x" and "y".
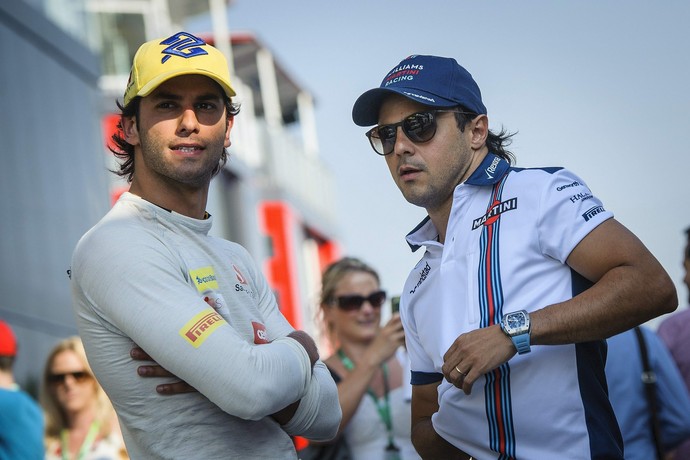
{"x": 80, "y": 420}
{"x": 643, "y": 422}
{"x": 21, "y": 420}
{"x": 368, "y": 364}
{"x": 675, "y": 332}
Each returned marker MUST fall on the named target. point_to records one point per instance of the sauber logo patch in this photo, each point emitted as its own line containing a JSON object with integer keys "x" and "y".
{"x": 204, "y": 278}
{"x": 199, "y": 328}
{"x": 260, "y": 335}
{"x": 242, "y": 285}
{"x": 240, "y": 276}
{"x": 495, "y": 212}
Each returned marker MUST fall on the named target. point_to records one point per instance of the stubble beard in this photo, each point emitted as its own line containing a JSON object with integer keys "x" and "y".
{"x": 429, "y": 196}
{"x": 192, "y": 172}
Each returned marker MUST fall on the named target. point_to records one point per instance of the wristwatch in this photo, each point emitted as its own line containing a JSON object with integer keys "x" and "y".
{"x": 516, "y": 325}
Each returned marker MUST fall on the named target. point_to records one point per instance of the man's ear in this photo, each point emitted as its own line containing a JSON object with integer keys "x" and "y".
{"x": 480, "y": 131}
{"x": 230, "y": 122}
{"x": 130, "y": 131}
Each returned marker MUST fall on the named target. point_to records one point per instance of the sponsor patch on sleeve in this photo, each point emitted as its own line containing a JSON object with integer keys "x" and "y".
{"x": 204, "y": 278}
{"x": 201, "y": 326}
{"x": 591, "y": 212}
{"x": 260, "y": 334}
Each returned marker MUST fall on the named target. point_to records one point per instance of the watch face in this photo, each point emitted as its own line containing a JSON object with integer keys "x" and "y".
{"x": 516, "y": 323}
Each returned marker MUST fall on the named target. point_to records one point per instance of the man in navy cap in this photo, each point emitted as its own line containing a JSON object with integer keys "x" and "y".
{"x": 524, "y": 275}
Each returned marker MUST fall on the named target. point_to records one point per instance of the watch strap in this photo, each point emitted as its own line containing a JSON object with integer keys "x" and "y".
{"x": 521, "y": 343}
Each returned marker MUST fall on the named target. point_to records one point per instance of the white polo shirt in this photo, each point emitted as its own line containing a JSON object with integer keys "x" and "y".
{"x": 509, "y": 234}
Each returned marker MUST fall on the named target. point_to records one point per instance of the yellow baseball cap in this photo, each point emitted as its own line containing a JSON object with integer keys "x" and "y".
{"x": 180, "y": 54}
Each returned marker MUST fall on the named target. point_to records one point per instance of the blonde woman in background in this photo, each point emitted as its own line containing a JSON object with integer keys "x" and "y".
{"x": 367, "y": 364}
{"x": 80, "y": 421}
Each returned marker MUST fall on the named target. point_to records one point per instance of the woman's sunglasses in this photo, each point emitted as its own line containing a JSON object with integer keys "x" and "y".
{"x": 418, "y": 127}
{"x": 59, "y": 379}
{"x": 355, "y": 302}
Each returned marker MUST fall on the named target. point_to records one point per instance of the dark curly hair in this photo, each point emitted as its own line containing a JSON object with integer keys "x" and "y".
{"x": 124, "y": 151}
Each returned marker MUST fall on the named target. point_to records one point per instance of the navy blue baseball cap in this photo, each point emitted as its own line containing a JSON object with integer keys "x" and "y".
{"x": 430, "y": 80}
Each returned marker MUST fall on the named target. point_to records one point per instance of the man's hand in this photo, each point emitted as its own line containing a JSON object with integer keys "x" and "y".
{"x": 155, "y": 370}
{"x": 285, "y": 415}
{"x": 308, "y": 344}
{"x": 474, "y": 354}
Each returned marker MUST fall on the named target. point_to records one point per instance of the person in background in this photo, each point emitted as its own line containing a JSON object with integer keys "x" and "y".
{"x": 150, "y": 274}
{"x": 523, "y": 276}
{"x": 80, "y": 420}
{"x": 21, "y": 418}
{"x": 628, "y": 386}
{"x": 675, "y": 332}
{"x": 372, "y": 389}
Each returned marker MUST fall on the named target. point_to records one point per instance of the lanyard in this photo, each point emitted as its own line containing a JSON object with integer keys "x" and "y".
{"x": 383, "y": 407}
{"x": 85, "y": 446}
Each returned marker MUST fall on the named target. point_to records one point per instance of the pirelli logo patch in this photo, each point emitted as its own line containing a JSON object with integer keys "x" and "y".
{"x": 204, "y": 278}
{"x": 591, "y": 212}
{"x": 199, "y": 328}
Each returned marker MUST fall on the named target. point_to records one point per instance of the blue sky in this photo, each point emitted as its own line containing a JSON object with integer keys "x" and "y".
{"x": 596, "y": 86}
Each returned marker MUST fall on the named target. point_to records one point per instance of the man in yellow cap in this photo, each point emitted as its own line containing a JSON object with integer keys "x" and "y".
{"x": 149, "y": 273}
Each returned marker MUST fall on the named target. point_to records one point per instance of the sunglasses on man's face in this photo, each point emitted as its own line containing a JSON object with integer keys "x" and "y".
{"x": 355, "y": 302}
{"x": 59, "y": 379}
{"x": 419, "y": 127}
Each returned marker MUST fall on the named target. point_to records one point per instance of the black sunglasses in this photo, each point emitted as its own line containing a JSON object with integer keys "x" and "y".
{"x": 418, "y": 127}
{"x": 355, "y": 302}
{"x": 59, "y": 379}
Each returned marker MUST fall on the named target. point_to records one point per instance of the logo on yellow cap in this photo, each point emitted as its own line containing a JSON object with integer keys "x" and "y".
{"x": 183, "y": 45}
